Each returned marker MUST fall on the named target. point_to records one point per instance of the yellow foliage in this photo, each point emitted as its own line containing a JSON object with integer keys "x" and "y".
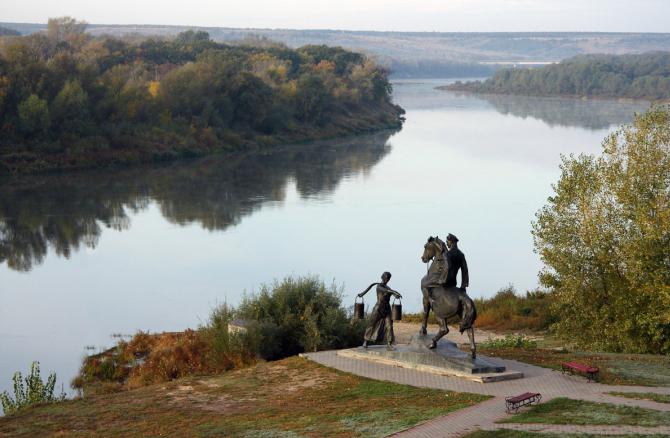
{"x": 324, "y": 66}
{"x": 154, "y": 86}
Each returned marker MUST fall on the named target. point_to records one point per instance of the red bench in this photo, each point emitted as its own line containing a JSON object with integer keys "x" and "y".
{"x": 514, "y": 403}
{"x": 591, "y": 372}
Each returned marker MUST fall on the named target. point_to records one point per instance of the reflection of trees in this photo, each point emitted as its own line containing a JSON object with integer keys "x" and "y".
{"x": 590, "y": 114}
{"x": 66, "y": 211}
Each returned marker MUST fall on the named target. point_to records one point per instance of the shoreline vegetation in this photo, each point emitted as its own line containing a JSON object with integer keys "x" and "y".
{"x": 643, "y": 76}
{"x": 69, "y": 100}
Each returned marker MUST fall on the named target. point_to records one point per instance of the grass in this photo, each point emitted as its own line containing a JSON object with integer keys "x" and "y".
{"x": 581, "y": 412}
{"x": 659, "y": 398}
{"x": 287, "y": 398}
{"x": 615, "y": 368}
{"x": 507, "y": 433}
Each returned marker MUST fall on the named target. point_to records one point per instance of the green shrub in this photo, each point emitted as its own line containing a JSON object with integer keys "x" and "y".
{"x": 510, "y": 341}
{"x": 509, "y": 311}
{"x": 33, "y": 392}
{"x": 297, "y": 315}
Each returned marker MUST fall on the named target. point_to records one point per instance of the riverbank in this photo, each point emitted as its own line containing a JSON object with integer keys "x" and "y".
{"x": 382, "y": 118}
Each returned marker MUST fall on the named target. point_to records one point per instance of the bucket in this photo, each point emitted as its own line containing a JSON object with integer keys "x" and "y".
{"x": 359, "y": 309}
{"x": 396, "y": 310}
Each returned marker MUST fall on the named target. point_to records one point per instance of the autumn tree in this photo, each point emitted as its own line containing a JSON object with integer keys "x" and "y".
{"x": 64, "y": 28}
{"x": 34, "y": 115}
{"x": 604, "y": 237}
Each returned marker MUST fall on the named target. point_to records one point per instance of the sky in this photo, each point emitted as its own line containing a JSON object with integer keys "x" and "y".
{"x": 383, "y": 15}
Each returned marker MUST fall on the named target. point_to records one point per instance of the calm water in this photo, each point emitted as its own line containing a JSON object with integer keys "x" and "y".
{"x": 89, "y": 255}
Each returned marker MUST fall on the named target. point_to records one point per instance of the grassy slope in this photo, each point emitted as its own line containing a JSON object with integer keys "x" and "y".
{"x": 615, "y": 369}
{"x": 658, "y": 398}
{"x": 580, "y": 412}
{"x": 283, "y": 398}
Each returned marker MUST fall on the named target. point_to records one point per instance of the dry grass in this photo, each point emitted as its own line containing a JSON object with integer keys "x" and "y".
{"x": 285, "y": 398}
{"x": 153, "y": 358}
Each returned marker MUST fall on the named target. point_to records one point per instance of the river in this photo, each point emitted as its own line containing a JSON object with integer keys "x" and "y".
{"x": 90, "y": 255}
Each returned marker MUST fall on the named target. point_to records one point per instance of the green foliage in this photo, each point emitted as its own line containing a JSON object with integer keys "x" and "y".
{"x": 34, "y": 115}
{"x": 510, "y": 341}
{"x": 30, "y": 391}
{"x": 639, "y": 76}
{"x": 160, "y": 98}
{"x": 507, "y": 310}
{"x": 70, "y": 107}
{"x": 604, "y": 238}
{"x": 297, "y": 315}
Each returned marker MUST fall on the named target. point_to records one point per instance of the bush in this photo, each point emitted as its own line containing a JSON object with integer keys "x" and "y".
{"x": 510, "y": 341}
{"x": 35, "y": 391}
{"x": 509, "y": 311}
{"x": 298, "y": 315}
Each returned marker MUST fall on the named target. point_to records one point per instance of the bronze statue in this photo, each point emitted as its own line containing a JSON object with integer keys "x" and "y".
{"x": 440, "y": 292}
{"x": 380, "y": 323}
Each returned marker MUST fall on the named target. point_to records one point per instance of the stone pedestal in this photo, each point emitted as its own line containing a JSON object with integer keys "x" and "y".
{"x": 446, "y": 359}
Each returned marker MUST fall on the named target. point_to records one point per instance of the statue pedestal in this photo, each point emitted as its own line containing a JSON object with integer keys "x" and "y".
{"x": 447, "y": 359}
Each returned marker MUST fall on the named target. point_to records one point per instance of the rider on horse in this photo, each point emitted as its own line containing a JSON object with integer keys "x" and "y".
{"x": 455, "y": 261}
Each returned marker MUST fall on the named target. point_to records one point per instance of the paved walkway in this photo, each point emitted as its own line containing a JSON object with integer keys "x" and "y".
{"x": 549, "y": 383}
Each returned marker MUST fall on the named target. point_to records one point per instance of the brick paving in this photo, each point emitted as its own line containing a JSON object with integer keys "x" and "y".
{"x": 549, "y": 383}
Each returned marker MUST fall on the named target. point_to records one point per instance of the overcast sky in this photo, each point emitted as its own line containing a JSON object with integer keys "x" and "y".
{"x": 400, "y": 15}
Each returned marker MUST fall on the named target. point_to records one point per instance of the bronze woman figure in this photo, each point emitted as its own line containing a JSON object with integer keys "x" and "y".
{"x": 380, "y": 323}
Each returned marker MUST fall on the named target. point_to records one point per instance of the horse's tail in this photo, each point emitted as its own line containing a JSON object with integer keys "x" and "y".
{"x": 468, "y": 313}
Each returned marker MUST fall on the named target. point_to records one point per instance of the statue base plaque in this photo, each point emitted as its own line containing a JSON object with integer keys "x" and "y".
{"x": 447, "y": 359}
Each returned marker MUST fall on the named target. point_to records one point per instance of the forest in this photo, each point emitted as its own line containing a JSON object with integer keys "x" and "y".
{"x": 635, "y": 76}
{"x": 71, "y": 100}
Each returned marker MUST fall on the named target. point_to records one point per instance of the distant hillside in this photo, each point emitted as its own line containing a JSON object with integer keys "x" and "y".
{"x": 4, "y": 31}
{"x": 644, "y": 76}
{"x": 428, "y": 54}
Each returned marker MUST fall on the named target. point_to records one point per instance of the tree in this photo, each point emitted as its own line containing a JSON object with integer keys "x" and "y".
{"x": 64, "y": 28}
{"x": 70, "y": 106}
{"x": 34, "y": 115}
{"x": 604, "y": 238}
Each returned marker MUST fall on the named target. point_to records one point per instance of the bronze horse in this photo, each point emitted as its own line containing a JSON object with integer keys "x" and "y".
{"x": 445, "y": 302}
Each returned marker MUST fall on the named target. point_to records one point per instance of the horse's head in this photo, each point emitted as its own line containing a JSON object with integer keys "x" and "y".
{"x": 433, "y": 247}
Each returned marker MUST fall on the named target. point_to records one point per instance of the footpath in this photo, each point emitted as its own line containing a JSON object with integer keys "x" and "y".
{"x": 549, "y": 383}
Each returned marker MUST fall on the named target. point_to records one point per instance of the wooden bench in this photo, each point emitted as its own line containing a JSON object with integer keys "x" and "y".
{"x": 591, "y": 372}
{"x": 514, "y": 403}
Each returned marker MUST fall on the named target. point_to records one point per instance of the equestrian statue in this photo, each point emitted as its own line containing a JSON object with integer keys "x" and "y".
{"x": 440, "y": 292}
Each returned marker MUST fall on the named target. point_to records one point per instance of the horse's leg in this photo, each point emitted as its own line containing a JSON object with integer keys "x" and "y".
{"x": 443, "y": 331}
{"x": 473, "y": 346}
{"x": 426, "y": 311}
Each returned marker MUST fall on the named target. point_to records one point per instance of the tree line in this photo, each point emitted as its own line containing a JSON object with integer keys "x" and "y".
{"x": 68, "y": 99}
{"x": 640, "y": 76}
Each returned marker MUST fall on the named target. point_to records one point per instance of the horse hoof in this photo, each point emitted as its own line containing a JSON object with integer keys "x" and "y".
{"x": 423, "y": 331}
{"x": 474, "y": 356}
{"x": 432, "y": 345}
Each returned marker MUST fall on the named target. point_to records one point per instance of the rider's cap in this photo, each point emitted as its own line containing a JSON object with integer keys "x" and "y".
{"x": 452, "y": 237}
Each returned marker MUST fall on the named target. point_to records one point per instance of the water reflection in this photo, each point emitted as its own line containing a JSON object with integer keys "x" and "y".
{"x": 592, "y": 114}
{"x": 556, "y": 111}
{"x": 66, "y": 212}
